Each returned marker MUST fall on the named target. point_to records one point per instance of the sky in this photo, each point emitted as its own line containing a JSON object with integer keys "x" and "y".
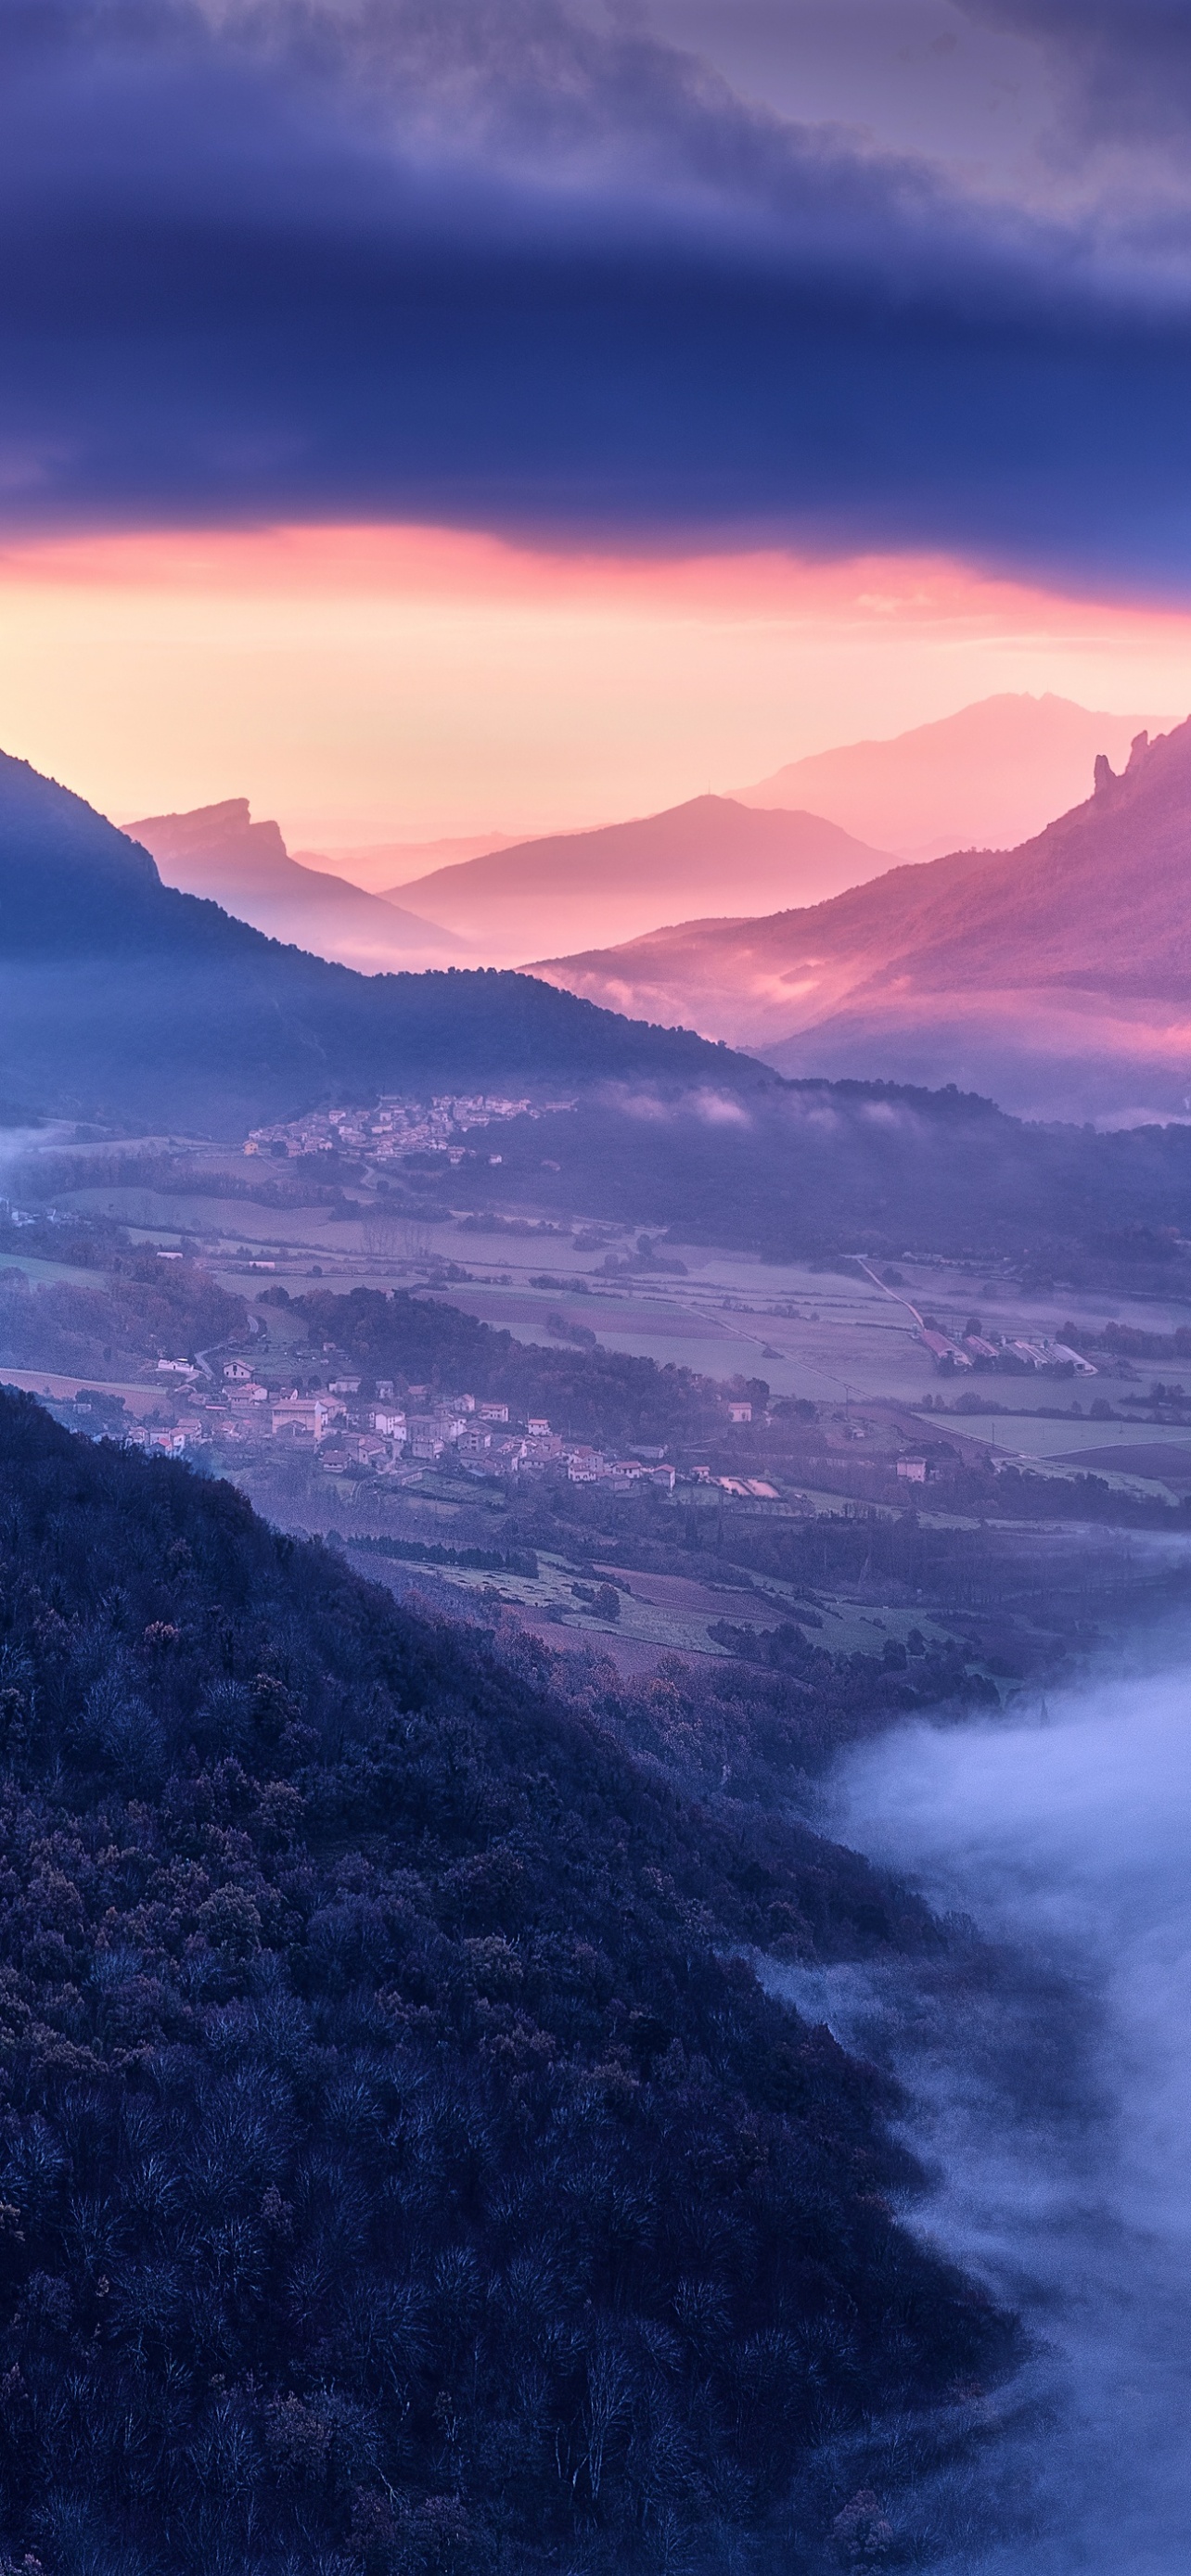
{"x": 442, "y": 415}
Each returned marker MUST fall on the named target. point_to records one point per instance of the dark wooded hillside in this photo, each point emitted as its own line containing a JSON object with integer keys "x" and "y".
{"x": 400, "y": 2167}
{"x": 123, "y": 1000}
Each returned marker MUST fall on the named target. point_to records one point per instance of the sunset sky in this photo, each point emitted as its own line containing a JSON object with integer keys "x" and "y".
{"x": 429, "y": 415}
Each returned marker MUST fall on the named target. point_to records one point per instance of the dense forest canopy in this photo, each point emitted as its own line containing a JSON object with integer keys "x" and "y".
{"x": 821, "y": 1168}
{"x": 143, "y": 1308}
{"x": 401, "y": 2167}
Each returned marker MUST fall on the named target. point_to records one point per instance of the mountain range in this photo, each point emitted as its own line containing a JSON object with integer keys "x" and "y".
{"x": 218, "y": 850}
{"x": 1054, "y": 976}
{"x": 128, "y": 1003}
{"x": 122, "y": 999}
{"x": 988, "y": 776}
{"x": 992, "y": 773}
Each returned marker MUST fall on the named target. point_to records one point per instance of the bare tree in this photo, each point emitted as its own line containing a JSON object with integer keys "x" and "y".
{"x": 382, "y": 1231}
{"x": 609, "y": 2385}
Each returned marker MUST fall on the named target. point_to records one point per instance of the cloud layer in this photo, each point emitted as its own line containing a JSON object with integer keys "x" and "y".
{"x": 1125, "y": 65}
{"x": 483, "y": 263}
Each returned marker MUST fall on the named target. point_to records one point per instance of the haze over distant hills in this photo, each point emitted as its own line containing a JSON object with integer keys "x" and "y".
{"x": 218, "y": 850}
{"x": 626, "y": 877}
{"x": 378, "y": 864}
{"x": 1054, "y": 976}
{"x": 124, "y": 1000}
{"x": 987, "y": 777}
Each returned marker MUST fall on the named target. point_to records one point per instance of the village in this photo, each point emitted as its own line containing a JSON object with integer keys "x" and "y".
{"x": 396, "y": 1126}
{"x": 355, "y": 1427}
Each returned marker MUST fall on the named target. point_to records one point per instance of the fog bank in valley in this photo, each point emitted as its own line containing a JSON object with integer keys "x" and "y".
{"x": 1051, "y": 2103}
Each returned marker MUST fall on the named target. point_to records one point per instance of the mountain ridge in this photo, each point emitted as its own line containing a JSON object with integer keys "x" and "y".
{"x": 218, "y": 851}
{"x": 125, "y": 1000}
{"x": 991, "y": 774}
{"x": 631, "y": 872}
{"x": 1017, "y": 972}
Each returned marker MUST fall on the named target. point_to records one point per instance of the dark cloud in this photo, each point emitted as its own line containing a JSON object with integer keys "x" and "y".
{"x": 490, "y": 265}
{"x": 1125, "y": 65}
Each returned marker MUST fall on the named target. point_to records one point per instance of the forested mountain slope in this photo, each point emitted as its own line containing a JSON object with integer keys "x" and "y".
{"x": 400, "y": 2167}
{"x": 816, "y": 1167}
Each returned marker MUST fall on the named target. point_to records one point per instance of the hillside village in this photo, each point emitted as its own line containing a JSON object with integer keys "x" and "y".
{"x": 348, "y": 1428}
{"x": 352, "y": 1429}
{"x": 396, "y": 1126}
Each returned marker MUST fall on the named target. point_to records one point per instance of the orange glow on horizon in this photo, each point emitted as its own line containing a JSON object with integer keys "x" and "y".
{"x": 364, "y": 683}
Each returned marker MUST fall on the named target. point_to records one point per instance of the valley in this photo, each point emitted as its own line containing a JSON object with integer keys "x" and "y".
{"x": 612, "y": 1382}
{"x": 848, "y": 1422}
{"x": 595, "y": 1288}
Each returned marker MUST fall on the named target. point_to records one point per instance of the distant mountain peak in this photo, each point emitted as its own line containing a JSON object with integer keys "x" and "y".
{"x": 219, "y": 831}
{"x": 619, "y": 879}
{"x": 990, "y": 776}
{"x": 218, "y": 850}
{"x": 233, "y": 814}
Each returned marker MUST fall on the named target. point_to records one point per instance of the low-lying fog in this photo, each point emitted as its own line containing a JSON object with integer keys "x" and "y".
{"x": 1053, "y": 2107}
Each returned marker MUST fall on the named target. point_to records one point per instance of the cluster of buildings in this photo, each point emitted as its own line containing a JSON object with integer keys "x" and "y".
{"x": 382, "y": 1435}
{"x": 396, "y": 1126}
{"x": 973, "y": 1350}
